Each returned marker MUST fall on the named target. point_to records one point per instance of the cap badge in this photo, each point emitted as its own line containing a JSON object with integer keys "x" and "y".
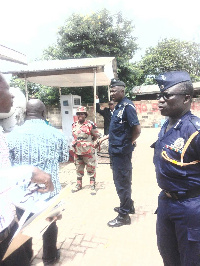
{"x": 163, "y": 77}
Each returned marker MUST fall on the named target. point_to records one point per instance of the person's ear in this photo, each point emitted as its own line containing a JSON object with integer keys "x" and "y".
{"x": 44, "y": 114}
{"x": 187, "y": 98}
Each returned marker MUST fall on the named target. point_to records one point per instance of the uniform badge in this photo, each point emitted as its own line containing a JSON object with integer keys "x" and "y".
{"x": 163, "y": 77}
{"x": 120, "y": 114}
{"x": 177, "y": 145}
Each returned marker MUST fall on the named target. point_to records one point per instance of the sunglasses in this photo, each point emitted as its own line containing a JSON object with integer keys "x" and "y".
{"x": 166, "y": 96}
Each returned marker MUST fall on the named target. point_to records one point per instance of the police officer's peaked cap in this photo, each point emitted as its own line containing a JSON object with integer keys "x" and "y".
{"x": 169, "y": 79}
{"x": 116, "y": 82}
{"x": 81, "y": 109}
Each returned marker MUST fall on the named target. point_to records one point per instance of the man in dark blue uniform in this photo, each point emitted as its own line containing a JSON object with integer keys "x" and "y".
{"x": 124, "y": 130}
{"x": 177, "y": 163}
{"x": 106, "y": 113}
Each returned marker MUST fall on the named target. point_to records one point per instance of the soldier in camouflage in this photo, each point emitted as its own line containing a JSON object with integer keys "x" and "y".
{"x": 85, "y": 134}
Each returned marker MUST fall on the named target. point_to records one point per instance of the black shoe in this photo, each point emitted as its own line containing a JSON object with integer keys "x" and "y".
{"x": 119, "y": 221}
{"x": 132, "y": 210}
{"x": 52, "y": 261}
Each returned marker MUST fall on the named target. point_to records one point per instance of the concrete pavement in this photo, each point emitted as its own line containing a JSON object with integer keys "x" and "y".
{"x": 84, "y": 237}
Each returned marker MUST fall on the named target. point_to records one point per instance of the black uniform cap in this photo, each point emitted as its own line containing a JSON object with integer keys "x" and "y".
{"x": 116, "y": 82}
{"x": 169, "y": 79}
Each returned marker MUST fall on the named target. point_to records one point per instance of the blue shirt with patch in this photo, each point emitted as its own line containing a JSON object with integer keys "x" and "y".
{"x": 122, "y": 121}
{"x": 170, "y": 176}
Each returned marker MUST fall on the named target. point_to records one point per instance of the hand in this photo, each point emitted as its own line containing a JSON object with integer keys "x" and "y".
{"x": 40, "y": 177}
{"x": 54, "y": 218}
{"x": 134, "y": 144}
{"x": 97, "y": 143}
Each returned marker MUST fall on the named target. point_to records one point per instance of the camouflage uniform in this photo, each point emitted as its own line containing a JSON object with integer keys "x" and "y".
{"x": 84, "y": 151}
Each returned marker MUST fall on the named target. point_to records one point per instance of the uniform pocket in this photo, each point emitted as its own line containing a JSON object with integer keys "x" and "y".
{"x": 194, "y": 235}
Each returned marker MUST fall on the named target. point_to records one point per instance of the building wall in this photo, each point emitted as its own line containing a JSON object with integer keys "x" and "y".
{"x": 147, "y": 110}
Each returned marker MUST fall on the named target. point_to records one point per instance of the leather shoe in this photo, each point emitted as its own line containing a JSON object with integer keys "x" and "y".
{"x": 119, "y": 221}
{"x": 132, "y": 210}
{"x": 48, "y": 262}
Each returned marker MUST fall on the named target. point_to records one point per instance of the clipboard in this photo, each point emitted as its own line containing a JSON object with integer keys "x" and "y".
{"x": 37, "y": 224}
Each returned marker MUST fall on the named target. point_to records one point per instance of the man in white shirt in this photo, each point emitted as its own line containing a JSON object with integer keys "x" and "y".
{"x": 10, "y": 177}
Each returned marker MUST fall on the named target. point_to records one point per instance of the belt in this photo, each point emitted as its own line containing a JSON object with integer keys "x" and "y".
{"x": 182, "y": 194}
{"x": 4, "y": 234}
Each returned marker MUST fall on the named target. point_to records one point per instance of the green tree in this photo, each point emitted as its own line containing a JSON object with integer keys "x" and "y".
{"x": 169, "y": 55}
{"x": 96, "y": 35}
{"x": 100, "y": 34}
{"x": 49, "y": 95}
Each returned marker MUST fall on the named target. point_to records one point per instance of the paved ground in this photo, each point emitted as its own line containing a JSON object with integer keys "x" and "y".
{"x": 84, "y": 237}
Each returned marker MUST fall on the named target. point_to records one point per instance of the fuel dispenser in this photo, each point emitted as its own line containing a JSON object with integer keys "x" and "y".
{"x": 69, "y": 104}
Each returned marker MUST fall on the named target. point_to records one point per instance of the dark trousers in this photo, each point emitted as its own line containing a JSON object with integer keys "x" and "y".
{"x": 18, "y": 257}
{"x": 49, "y": 240}
{"x": 122, "y": 176}
{"x": 178, "y": 231}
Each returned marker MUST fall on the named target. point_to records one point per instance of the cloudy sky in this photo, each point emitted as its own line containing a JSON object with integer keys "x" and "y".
{"x": 31, "y": 26}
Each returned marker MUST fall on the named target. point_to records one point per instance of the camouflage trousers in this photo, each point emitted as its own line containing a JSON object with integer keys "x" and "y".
{"x": 88, "y": 160}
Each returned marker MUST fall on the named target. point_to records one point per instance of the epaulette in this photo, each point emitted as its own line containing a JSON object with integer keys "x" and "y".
{"x": 196, "y": 122}
{"x": 125, "y": 104}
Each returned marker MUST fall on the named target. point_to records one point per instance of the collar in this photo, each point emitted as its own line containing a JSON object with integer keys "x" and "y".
{"x": 179, "y": 122}
{"x": 121, "y": 103}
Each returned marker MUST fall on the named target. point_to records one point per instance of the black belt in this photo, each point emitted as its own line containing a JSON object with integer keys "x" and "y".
{"x": 182, "y": 194}
{"x": 4, "y": 234}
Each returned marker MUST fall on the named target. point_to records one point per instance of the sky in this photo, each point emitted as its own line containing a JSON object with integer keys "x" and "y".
{"x": 31, "y": 26}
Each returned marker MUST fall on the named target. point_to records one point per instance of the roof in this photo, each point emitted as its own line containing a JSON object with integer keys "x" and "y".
{"x": 12, "y": 55}
{"x": 147, "y": 89}
{"x": 70, "y": 72}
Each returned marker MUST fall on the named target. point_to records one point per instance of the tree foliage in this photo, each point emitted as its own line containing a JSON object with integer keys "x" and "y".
{"x": 169, "y": 55}
{"x": 100, "y": 34}
{"x": 48, "y": 95}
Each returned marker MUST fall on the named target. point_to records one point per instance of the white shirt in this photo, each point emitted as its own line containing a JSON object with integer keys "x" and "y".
{"x": 9, "y": 178}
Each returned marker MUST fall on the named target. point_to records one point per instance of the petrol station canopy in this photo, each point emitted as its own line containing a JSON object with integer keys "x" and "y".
{"x": 69, "y": 73}
{"x": 11, "y": 55}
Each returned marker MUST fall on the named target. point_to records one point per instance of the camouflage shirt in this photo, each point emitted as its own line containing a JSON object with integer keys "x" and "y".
{"x": 84, "y": 136}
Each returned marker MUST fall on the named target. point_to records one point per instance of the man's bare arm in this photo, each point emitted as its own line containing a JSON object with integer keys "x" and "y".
{"x": 136, "y": 130}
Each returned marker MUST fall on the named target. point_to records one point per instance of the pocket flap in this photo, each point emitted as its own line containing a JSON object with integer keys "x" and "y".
{"x": 193, "y": 234}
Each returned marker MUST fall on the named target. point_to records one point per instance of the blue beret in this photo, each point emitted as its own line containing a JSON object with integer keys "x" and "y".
{"x": 116, "y": 82}
{"x": 169, "y": 79}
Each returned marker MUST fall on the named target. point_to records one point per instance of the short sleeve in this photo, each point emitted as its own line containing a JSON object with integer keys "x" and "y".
{"x": 131, "y": 115}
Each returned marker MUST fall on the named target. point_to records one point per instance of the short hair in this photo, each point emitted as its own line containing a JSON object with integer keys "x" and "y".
{"x": 186, "y": 87}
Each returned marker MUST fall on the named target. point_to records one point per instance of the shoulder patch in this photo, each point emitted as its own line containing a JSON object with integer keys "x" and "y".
{"x": 196, "y": 122}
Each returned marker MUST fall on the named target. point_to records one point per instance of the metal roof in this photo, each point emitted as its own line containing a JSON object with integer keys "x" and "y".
{"x": 70, "y": 72}
{"x": 147, "y": 89}
{"x": 12, "y": 55}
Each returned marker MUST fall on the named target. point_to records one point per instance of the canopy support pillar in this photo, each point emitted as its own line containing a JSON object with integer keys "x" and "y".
{"x": 95, "y": 93}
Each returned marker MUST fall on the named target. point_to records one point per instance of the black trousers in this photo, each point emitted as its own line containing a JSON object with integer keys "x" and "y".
{"x": 18, "y": 257}
{"x": 122, "y": 176}
{"x": 49, "y": 240}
